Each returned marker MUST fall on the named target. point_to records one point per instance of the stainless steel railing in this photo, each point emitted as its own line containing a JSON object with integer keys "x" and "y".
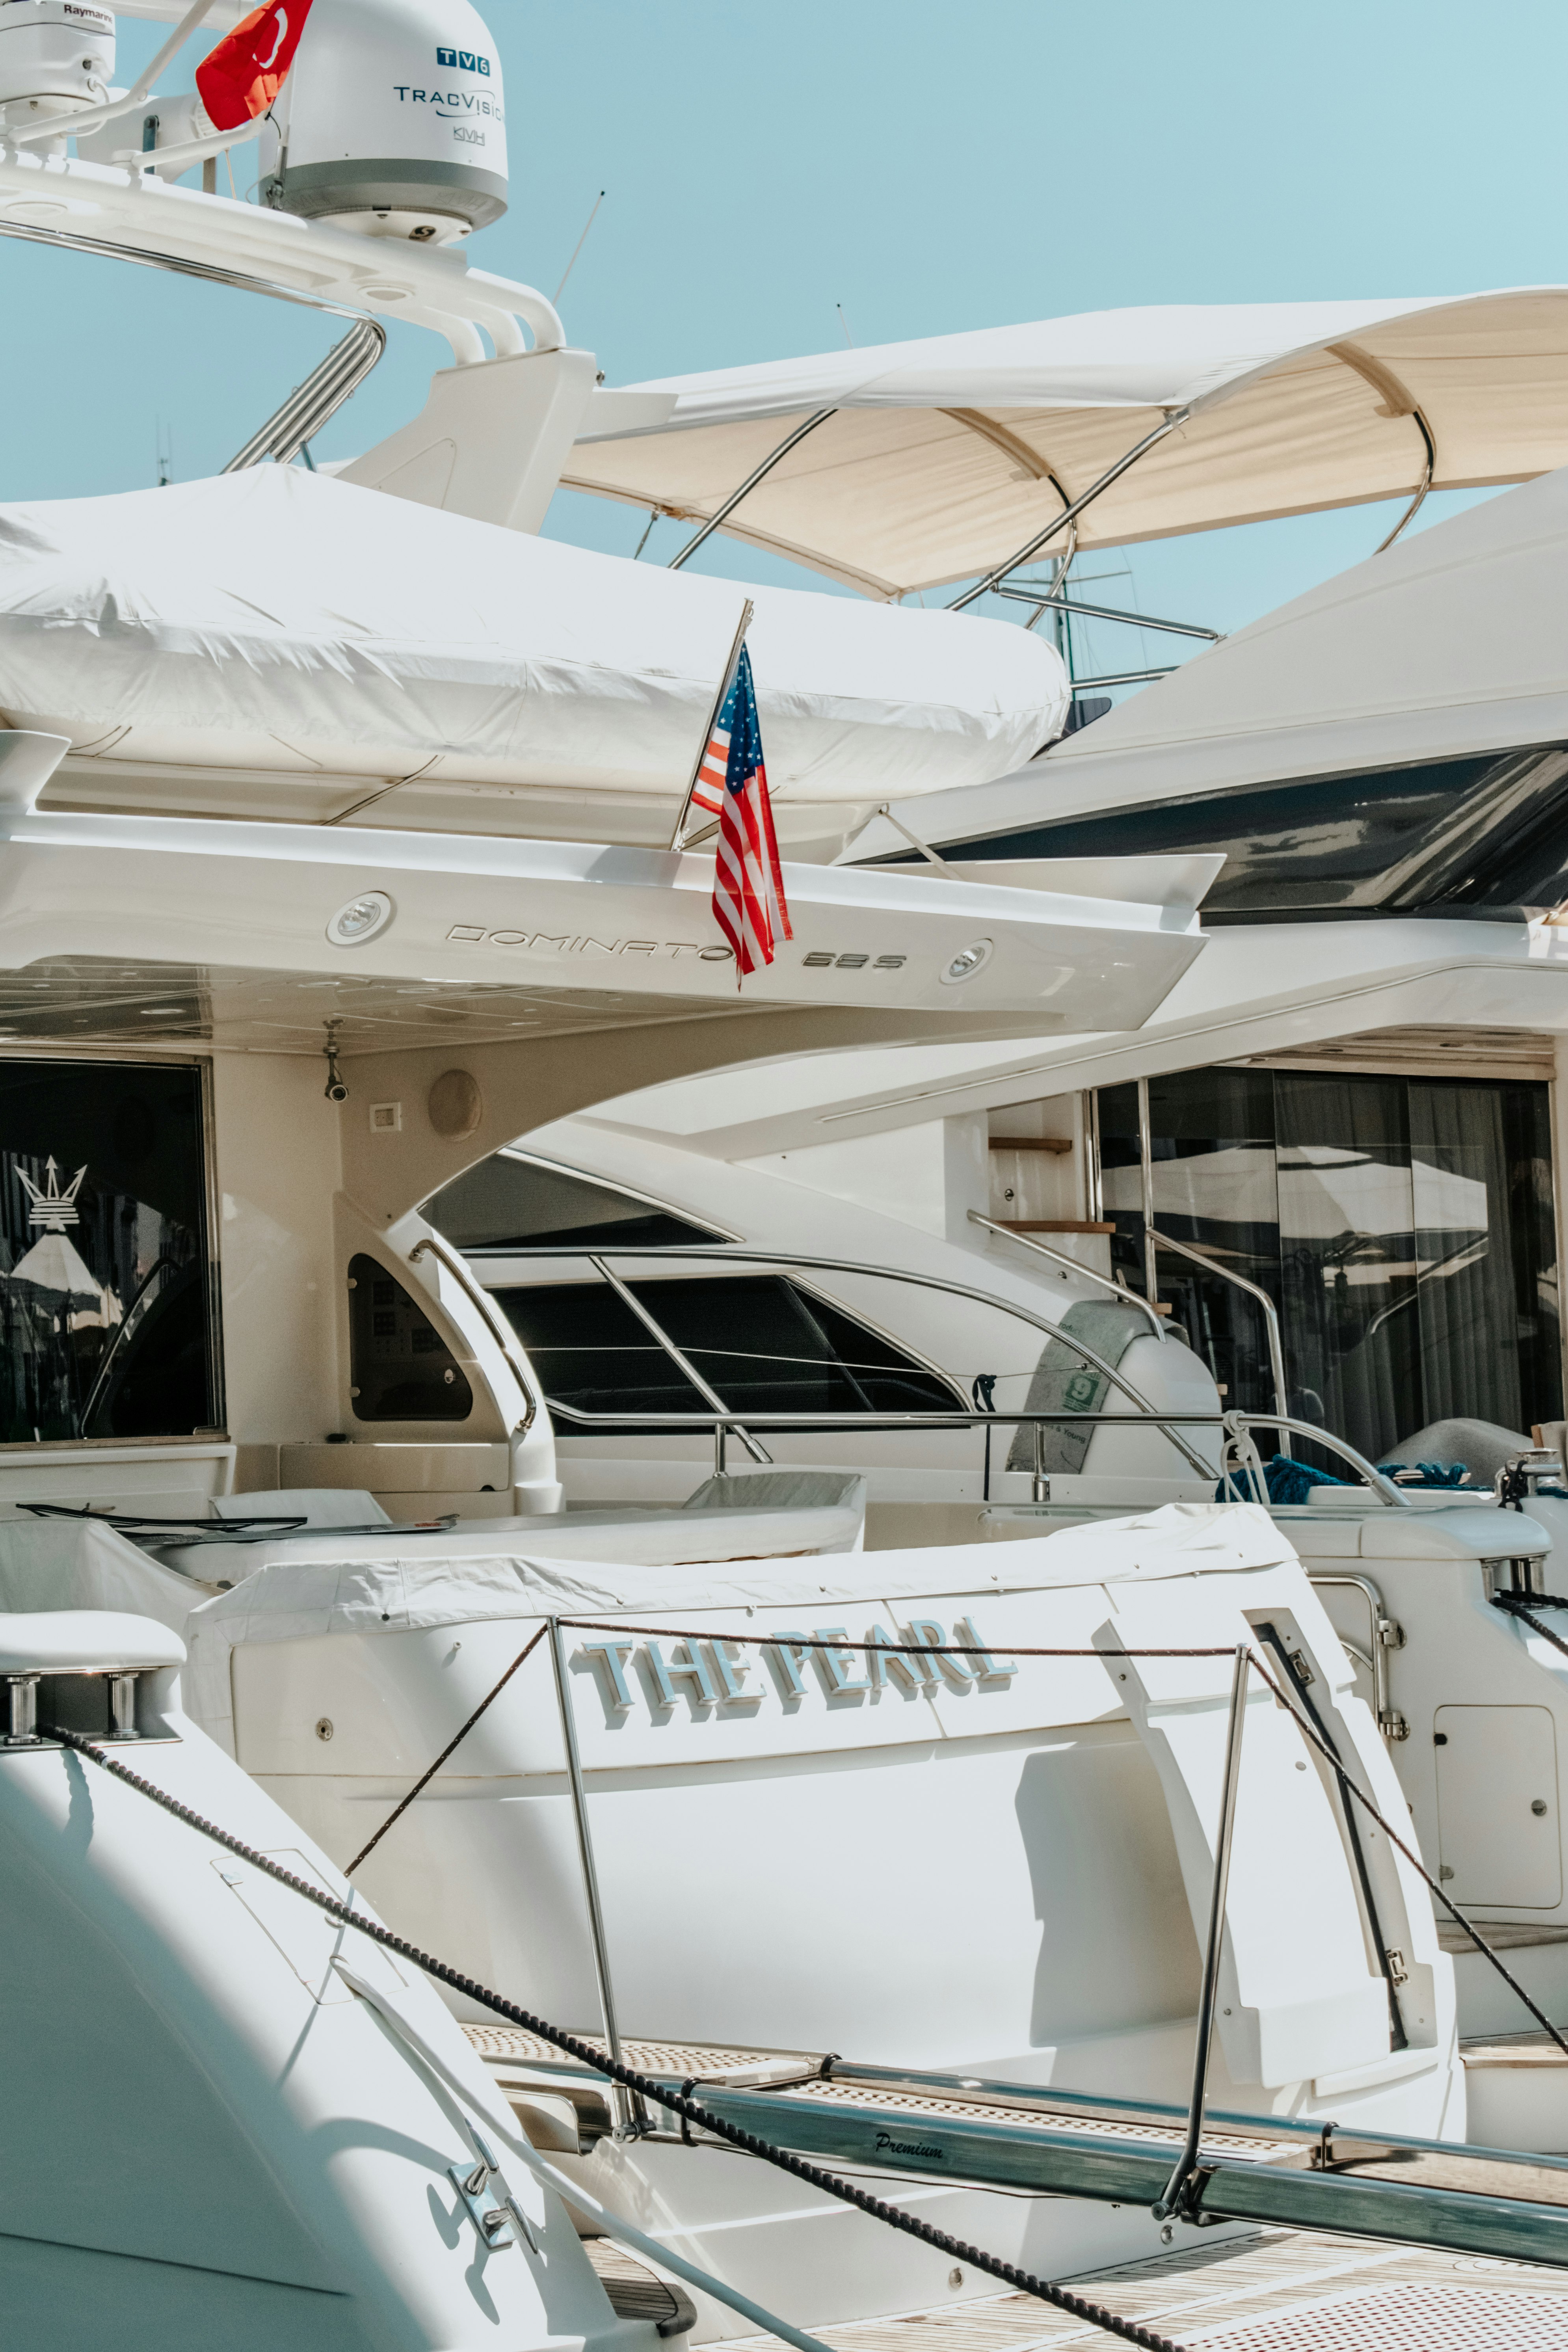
{"x": 1253, "y": 1290}
{"x": 457, "y": 1264}
{"x": 723, "y": 1422}
{"x": 1123, "y": 1297}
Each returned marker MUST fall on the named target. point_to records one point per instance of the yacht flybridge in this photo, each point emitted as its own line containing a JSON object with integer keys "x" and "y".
{"x": 421, "y": 1480}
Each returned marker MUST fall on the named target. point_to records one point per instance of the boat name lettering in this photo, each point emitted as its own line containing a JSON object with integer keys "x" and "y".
{"x": 568, "y": 943}
{"x": 712, "y": 1671}
{"x": 886, "y": 2144}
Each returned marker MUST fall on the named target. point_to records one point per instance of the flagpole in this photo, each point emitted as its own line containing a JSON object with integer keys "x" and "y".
{"x": 728, "y": 679}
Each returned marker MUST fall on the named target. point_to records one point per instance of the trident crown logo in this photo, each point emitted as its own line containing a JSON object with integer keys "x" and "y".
{"x": 52, "y": 1209}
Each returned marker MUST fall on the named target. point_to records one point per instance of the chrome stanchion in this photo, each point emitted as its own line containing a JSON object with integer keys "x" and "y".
{"x": 624, "y": 2106}
{"x": 1177, "y": 2195}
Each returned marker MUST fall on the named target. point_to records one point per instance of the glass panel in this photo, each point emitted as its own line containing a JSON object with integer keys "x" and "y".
{"x": 1532, "y": 1233}
{"x": 590, "y": 1351}
{"x": 1405, "y": 1229}
{"x": 1122, "y": 1182}
{"x": 400, "y": 1367}
{"x": 763, "y": 1343}
{"x": 104, "y": 1276}
{"x": 1347, "y": 1250}
{"x": 1313, "y": 842}
{"x": 1482, "y": 832}
{"x": 1215, "y": 1185}
{"x": 1467, "y": 1313}
{"x": 506, "y": 1203}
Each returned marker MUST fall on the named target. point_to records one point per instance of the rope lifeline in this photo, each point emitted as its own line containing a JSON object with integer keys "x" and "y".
{"x": 1078, "y": 2307}
{"x": 1509, "y": 1601}
{"x": 455, "y": 1741}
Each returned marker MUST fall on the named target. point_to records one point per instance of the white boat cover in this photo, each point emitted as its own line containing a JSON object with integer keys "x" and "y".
{"x": 1448, "y": 644}
{"x": 281, "y": 620}
{"x": 945, "y": 456}
{"x": 446, "y": 1583}
{"x": 79, "y": 1565}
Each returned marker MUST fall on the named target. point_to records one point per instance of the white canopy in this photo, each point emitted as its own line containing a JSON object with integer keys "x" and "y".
{"x": 944, "y": 457}
{"x": 1450, "y": 643}
{"x": 282, "y": 621}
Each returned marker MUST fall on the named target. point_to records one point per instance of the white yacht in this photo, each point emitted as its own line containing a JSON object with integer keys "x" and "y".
{"x": 1084, "y": 1843}
{"x": 1328, "y": 1160}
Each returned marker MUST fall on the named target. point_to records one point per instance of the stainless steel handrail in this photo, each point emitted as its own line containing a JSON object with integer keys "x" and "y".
{"x": 1060, "y": 1257}
{"x": 346, "y": 379}
{"x": 1237, "y": 1425}
{"x": 477, "y": 1296}
{"x": 1385, "y": 1635}
{"x": 1254, "y": 1290}
{"x": 312, "y": 403}
{"x": 727, "y": 1256}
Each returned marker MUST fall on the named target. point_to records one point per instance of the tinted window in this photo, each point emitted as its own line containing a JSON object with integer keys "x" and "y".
{"x": 762, "y": 1342}
{"x": 400, "y": 1368}
{"x": 1489, "y": 832}
{"x": 506, "y": 1203}
{"x": 107, "y": 1289}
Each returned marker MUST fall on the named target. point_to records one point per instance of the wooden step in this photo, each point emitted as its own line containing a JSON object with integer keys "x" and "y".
{"x": 1502, "y": 1935}
{"x": 1536, "y": 2049}
{"x": 1060, "y": 1144}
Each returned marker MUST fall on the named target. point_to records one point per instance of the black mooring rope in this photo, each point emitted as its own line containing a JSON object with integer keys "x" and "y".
{"x": 1522, "y": 1604}
{"x": 1024, "y": 2282}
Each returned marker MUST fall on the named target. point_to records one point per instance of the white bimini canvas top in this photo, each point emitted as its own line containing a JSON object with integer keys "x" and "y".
{"x": 942, "y": 457}
{"x": 1448, "y": 645}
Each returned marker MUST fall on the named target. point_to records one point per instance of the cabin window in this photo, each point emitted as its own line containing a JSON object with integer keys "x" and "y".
{"x": 106, "y": 1285}
{"x": 1480, "y": 835}
{"x": 507, "y": 1204}
{"x": 400, "y": 1368}
{"x": 1403, "y": 1226}
{"x": 765, "y": 1343}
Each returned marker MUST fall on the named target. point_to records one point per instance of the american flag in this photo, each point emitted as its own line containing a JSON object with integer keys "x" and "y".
{"x": 749, "y": 903}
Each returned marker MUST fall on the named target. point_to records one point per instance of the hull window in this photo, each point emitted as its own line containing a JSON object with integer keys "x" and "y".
{"x": 1403, "y": 1226}
{"x": 106, "y": 1283}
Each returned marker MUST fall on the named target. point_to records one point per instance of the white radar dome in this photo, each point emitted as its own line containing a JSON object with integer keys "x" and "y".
{"x": 56, "y": 55}
{"x": 392, "y": 121}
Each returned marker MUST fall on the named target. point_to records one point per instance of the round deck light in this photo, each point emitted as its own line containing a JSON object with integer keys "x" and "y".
{"x": 967, "y": 963}
{"x": 361, "y": 920}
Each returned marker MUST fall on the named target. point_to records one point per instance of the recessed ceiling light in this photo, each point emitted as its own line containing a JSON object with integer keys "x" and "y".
{"x": 361, "y": 920}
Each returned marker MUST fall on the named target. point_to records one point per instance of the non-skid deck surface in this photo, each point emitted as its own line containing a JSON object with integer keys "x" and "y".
{"x": 1273, "y": 2291}
{"x": 509, "y": 2045}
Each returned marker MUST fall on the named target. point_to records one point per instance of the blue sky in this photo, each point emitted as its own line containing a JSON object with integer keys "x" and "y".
{"x": 930, "y": 169}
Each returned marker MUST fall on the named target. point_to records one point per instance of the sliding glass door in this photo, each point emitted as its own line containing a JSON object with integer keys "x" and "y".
{"x": 1404, "y": 1228}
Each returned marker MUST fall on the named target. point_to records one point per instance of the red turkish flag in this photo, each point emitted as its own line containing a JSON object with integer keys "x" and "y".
{"x": 240, "y": 79}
